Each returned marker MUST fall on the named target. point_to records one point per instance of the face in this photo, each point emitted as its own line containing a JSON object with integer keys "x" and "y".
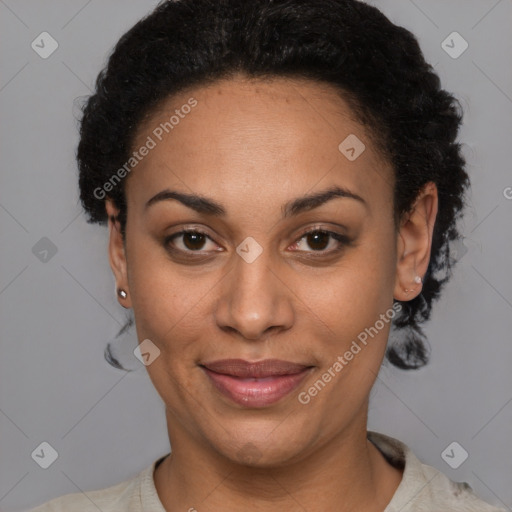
{"x": 262, "y": 272}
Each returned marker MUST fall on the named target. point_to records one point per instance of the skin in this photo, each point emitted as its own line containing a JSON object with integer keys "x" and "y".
{"x": 254, "y": 145}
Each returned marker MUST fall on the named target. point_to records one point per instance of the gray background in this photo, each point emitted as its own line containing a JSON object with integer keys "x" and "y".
{"x": 56, "y": 316}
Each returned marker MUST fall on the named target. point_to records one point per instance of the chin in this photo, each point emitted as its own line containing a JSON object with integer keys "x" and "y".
{"x": 264, "y": 445}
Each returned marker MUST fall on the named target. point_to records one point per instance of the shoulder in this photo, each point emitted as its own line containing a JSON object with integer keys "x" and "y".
{"x": 107, "y": 500}
{"x": 131, "y": 496}
{"x": 424, "y": 488}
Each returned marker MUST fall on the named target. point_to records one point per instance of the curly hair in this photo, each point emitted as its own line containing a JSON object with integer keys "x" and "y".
{"x": 377, "y": 66}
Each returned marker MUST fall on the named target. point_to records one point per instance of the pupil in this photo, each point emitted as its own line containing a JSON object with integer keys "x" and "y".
{"x": 196, "y": 239}
{"x": 313, "y": 239}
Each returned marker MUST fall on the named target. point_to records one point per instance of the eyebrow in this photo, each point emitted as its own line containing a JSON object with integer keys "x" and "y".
{"x": 208, "y": 206}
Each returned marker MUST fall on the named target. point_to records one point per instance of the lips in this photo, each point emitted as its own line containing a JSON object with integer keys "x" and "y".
{"x": 256, "y": 384}
{"x": 260, "y": 369}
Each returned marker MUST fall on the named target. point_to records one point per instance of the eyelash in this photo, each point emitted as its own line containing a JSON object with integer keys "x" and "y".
{"x": 342, "y": 240}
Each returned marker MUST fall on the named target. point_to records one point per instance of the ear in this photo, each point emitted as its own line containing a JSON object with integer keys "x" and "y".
{"x": 414, "y": 243}
{"x": 117, "y": 253}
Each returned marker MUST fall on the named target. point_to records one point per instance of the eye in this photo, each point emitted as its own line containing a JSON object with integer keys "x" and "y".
{"x": 190, "y": 240}
{"x": 321, "y": 239}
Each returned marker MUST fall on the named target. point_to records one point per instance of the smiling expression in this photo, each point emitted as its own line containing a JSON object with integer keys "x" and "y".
{"x": 255, "y": 169}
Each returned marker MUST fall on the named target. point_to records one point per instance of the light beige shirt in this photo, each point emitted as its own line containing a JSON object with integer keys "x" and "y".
{"x": 422, "y": 489}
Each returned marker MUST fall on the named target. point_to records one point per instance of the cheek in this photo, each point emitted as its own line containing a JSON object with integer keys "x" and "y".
{"x": 356, "y": 306}
{"x": 169, "y": 310}
{"x": 168, "y": 305}
{"x": 360, "y": 288}
{"x": 346, "y": 311}
{"x": 355, "y": 303}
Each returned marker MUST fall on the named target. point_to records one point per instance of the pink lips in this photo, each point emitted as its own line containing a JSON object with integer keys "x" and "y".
{"x": 255, "y": 384}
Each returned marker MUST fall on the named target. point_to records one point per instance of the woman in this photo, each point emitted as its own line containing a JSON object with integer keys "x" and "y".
{"x": 281, "y": 181}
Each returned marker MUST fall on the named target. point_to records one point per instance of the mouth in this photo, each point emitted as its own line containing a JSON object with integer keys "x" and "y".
{"x": 256, "y": 384}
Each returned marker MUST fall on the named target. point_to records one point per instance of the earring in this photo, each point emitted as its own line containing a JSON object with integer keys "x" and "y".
{"x": 122, "y": 293}
{"x": 417, "y": 280}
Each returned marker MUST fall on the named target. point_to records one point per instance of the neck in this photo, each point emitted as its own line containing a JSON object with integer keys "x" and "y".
{"x": 347, "y": 473}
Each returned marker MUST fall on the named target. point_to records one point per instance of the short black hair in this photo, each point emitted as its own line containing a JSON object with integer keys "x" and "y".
{"x": 376, "y": 65}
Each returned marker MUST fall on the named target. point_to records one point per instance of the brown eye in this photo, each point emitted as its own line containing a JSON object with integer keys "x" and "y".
{"x": 190, "y": 240}
{"x": 193, "y": 240}
{"x": 319, "y": 240}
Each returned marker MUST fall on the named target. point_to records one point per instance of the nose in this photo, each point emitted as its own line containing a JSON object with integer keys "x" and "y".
{"x": 254, "y": 300}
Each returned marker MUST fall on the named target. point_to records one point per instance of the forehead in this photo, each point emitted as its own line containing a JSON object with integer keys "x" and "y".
{"x": 257, "y": 135}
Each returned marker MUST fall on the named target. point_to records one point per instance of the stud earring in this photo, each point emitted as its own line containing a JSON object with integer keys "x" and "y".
{"x": 122, "y": 293}
{"x": 417, "y": 280}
